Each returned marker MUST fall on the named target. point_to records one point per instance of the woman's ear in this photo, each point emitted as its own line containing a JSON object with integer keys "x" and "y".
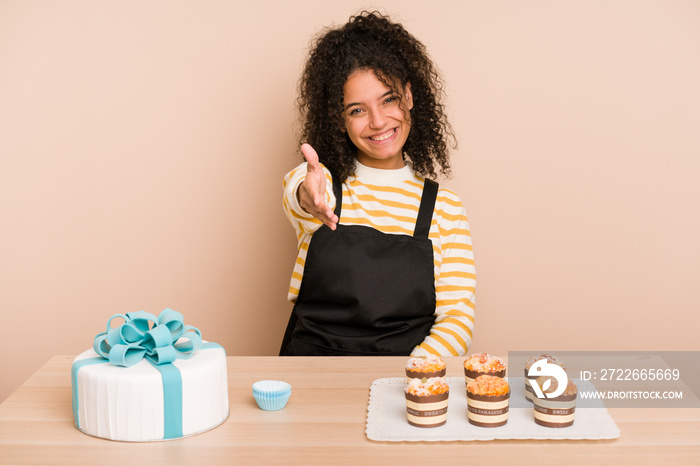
{"x": 408, "y": 96}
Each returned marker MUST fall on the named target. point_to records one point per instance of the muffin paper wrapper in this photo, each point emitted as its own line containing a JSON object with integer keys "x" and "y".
{"x": 427, "y": 375}
{"x": 474, "y": 374}
{"x": 386, "y": 417}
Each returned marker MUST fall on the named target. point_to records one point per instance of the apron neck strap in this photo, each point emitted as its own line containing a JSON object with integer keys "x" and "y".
{"x": 338, "y": 192}
{"x": 425, "y": 212}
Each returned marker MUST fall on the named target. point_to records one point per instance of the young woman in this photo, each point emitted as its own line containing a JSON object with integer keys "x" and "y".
{"x": 385, "y": 263}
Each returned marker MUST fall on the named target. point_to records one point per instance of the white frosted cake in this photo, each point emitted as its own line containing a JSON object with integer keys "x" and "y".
{"x": 147, "y": 390}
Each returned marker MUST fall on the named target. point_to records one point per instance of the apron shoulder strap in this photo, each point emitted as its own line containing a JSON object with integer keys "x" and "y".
{"x": 338, "y": 192}
{"x": 425, "y": 211}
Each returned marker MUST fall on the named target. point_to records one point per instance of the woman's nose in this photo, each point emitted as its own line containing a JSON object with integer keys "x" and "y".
{"x": 377, "y": 119}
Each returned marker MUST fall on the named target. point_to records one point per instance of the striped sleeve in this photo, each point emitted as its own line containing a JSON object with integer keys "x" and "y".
{"x": 303, "y": 222}
{"x": 455, "y": 285}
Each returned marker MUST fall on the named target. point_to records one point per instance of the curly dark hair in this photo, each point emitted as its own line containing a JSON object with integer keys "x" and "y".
{"x": 371, "y": 41}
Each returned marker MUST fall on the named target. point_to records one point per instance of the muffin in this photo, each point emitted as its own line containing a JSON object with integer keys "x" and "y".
{"x": 529, "y": 392}
{"x": 555, "y": 412}
{"x": 483, "y": 364}
{"x": 426, "y": 402}
{"x": 425, "y": 367}
{"x": 487, "y": 401}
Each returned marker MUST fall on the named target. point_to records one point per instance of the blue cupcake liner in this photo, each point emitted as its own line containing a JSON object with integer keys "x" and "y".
{"x": 268, "y": 403}
{"x": 271, "y": 387}
{"x": 271, "y": 395}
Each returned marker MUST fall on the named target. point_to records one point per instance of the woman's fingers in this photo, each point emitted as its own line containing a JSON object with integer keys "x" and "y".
{"x": 315, "y": 177}
{"x": 316, "y": 206}
{"x": 329, "y": 219}
{"x": 312, "y": 192}
{"x": 310, "y": 155}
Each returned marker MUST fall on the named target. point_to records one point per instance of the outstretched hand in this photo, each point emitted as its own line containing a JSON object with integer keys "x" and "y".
{"x": 312, "y": 191}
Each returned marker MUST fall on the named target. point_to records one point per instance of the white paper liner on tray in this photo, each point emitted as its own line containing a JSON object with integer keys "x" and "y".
{"x": 386, "y": 418}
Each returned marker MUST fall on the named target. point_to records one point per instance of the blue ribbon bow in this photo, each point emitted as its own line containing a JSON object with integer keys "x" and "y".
{"x": 144, "y": 335}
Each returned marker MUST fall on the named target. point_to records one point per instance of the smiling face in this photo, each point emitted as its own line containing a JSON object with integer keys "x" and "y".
{"x": 376, "y": 119}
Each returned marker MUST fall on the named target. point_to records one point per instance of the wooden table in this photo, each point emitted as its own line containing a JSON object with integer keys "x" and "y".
{"x": 323, "y": 423}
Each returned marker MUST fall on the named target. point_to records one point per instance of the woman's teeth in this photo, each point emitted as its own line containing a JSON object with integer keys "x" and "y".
{"x": 384, "y": 136}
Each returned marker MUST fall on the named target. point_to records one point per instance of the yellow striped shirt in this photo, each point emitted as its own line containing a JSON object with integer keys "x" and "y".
{"x": 388, "y": 200}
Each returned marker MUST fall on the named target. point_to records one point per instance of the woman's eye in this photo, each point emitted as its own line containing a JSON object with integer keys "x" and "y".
{"x": 354, "y": 111}
{"x": 390, "y": 99}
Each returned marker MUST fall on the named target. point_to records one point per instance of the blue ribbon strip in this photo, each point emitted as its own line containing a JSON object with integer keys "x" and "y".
{"x": 172, "y": 400}
{"x": 160, "y": 340}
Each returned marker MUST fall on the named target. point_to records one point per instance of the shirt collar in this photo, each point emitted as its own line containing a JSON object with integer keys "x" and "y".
{"x": 380, "y": 175}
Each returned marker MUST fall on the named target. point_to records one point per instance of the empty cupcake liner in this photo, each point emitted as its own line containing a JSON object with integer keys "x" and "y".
{"x": 271, "y": 395}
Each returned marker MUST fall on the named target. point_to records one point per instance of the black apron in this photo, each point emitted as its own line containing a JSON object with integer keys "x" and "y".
{"x": 365, "y": 292}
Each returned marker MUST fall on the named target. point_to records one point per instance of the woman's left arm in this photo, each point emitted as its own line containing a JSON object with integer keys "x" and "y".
{"x": 455, "y": 284}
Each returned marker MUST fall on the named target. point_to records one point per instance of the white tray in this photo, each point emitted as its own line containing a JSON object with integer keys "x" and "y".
{"x": 386, "y": 418}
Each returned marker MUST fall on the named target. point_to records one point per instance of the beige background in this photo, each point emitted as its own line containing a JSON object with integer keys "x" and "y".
{"x": 143, "y": 144}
